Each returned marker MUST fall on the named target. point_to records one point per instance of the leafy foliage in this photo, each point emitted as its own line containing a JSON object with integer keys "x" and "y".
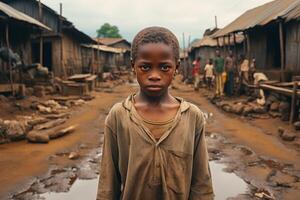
{"x": 110, "y": 31}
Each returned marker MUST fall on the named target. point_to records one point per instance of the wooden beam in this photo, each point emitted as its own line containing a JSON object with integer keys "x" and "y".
{"x": 286, "y": 84}
{"x": 282, "y": 53}
{"x": 224, "y": 45}
{"x": 235, "y": 48}
{"x": 228, "y": 39}
{"x": 280, "y": 90}
{"x": 41, "y": 33}
{"x": 9, "y": 59}
{"x": 245, "y": 43}
{"x": 294, "y": 103}
{"x": 248, "y": 46}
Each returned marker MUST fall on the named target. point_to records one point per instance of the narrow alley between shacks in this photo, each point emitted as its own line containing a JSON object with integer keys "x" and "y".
{"x": 58, "y": 84}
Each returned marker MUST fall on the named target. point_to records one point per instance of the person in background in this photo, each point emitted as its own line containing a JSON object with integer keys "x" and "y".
{"x": 196, "y": 72}
{"x": 229, "y": 68}
{"x": 252, "y": 70}
{"x": 209, "y": 73}
{"x": 219, "y": 69}
{"x": 244, "y": 70}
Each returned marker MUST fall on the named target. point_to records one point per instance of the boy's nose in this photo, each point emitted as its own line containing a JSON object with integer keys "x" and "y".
{"x": 154, "y": 76}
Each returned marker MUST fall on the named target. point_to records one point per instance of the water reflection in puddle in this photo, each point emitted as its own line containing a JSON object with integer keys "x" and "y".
{"x": 226, "y": 184}
{"x": 81, "y": 189}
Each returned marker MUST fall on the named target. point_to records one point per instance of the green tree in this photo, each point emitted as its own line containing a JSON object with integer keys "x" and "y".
{"x": 107, "y": 30}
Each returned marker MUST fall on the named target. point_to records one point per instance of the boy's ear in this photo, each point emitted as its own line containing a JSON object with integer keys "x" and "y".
{"x": 178, "y": 64}
{"x": 132, "y": 64}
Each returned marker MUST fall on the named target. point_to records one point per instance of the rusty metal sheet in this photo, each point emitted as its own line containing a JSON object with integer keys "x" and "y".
{"x": 19, "y": 16}
{"x": 262, "y": 15}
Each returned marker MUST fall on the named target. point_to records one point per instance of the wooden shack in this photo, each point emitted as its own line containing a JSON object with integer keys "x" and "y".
{"x": 12, "y": 42}
{"x": 60, "y": 49}
{"x": 206, "y": 47}
{"x": 271, "y": 32}
{"x": 119, "y": 43}
{"x": 109, "y": 58}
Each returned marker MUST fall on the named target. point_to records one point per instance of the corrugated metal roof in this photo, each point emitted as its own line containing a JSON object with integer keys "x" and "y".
{"x": 111, "y": 41}
{"x": 19, "y": 16}
{"x": 260, "y": 16}
{"x": 105, "y": 48}
{"x": 212, "y": 42}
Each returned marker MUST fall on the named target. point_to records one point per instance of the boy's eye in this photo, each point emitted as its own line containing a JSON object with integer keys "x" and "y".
{"x": 165, "y": 67}
{"x": 145, "y": 67}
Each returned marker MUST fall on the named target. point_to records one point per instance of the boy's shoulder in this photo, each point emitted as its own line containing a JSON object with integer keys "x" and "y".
{"x": 195, "y": 111}
{"x": 198, "y": 115}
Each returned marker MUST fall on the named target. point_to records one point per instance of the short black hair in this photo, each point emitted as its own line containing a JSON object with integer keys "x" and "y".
{"x": 155, "y": 34}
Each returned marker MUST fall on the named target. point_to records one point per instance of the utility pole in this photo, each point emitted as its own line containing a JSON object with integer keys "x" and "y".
{"x": 216, "y": 21}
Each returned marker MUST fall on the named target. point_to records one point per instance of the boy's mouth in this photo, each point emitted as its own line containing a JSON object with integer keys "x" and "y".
{"x": 154, "y": 87}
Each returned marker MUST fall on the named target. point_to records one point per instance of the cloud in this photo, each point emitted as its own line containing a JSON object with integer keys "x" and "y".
{"x": 190, "y": 16}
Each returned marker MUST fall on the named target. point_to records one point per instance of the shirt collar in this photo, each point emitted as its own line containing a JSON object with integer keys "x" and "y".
{"x": 127, "y": 104}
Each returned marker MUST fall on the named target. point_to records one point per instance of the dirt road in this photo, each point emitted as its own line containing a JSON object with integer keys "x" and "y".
{"x": 269, "y": 167}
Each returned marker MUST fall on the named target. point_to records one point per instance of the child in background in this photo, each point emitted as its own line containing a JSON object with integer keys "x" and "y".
{"x": 209, "y": 73}
{"x": 196, "y": 73}
{"x": 154, "y": 143}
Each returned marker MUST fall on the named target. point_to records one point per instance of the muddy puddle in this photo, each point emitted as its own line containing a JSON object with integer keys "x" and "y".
{"x": 81, "y": 189}
{"x": 225, "y": 184}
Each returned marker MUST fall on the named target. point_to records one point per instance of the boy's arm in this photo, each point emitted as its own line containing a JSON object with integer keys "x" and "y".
{"x": 110, "y": 182}
{"x": 201, "y": 186}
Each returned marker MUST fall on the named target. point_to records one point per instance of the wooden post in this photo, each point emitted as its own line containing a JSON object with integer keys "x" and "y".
{"x": 9, "y": 59}
{"x": 228, "y": 42}
{"x": 41, "y": 33}
{"x": 245, "y": 43}
{"x": 224, "y": 46}
{"x": 235, "y": 49}
{"x": 61, "y": 43}
{"x": 282, "y": 53}
{"x": 294, "y": 103}
{"x": 218, "y": 43}
{"x": 248, "y": 46}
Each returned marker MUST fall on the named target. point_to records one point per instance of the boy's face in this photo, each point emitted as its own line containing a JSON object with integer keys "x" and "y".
{"x": 155, "y": 67}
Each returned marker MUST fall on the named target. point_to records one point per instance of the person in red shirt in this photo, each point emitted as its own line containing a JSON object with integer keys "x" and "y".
{"x": 196, "y": 72}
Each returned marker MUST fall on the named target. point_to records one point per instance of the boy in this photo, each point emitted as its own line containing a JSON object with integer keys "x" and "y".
{"x": 219, "y": 69}
{"x": 229, "y": 68}
{"x": 209, "y": 73}
{"x": 196, "y": 73}
{"x": 154, "y": 144}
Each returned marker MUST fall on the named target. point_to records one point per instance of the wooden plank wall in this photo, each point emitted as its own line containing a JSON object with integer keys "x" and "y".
{"x": 292, "y": 31}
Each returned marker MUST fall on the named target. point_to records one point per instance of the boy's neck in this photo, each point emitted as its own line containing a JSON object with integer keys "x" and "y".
{"x": 141, "y": 97}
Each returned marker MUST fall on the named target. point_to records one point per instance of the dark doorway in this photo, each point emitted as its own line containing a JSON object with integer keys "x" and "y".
{"x": 47, "y": 54}
{"x": 35, "y": 48}
{"x": 273, "y": 47}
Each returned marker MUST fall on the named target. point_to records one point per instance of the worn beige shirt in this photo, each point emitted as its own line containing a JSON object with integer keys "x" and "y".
{"x": 137, "y": 167}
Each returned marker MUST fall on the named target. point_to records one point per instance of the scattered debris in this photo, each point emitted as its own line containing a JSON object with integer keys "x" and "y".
{"x": 74, "y": 155}
{"x": 50, "y": 124}
{"x": 14, "y": 130}
{"x": 61, "y": 132}
{"x": 287, "y": 136}
{"x": 264, "y": 195}
{"x": 39, "y": 91}
{"x": 37, "y": 137}
{"x": 297, "y": 125}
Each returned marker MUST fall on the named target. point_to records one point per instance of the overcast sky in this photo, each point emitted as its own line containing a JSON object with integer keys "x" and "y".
{"x": 189, "y": 16}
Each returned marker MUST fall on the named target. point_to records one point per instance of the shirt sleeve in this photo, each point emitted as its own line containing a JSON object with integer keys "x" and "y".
{"x": 110, "y": 182}
{"x": 201, "y": 186}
